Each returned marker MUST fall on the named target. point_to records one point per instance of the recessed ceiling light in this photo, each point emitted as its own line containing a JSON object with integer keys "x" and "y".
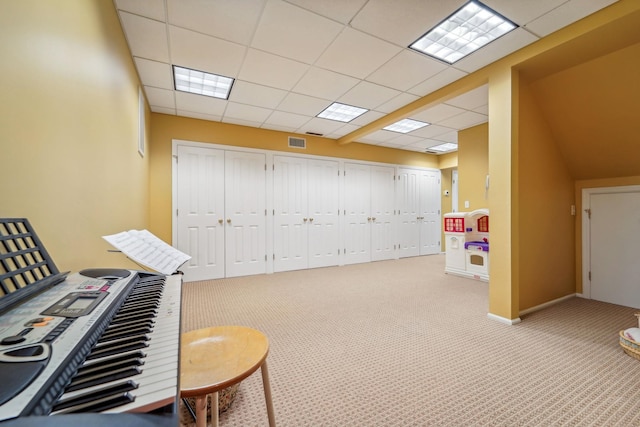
{"x": 471, "y": 27}
{"x": 341, "y": 112}
{"x": 406, "y": 126}
{"x": 201, "y": 83}
{"x": 448, "y": 146}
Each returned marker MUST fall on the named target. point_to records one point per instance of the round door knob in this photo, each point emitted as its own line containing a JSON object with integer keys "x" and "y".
{"x": 304, "y": 219}
{"x": 373, "y": 219}
{"x": 369, "y": 219}
{"x": 228, "y": 220}
{"x": 310, "y": 219}
{"x": 220, "y": 221}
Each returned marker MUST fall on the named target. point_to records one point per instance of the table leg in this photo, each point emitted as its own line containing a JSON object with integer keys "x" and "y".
{"x": 267, "y": 394}
{"x": 214, "y": 409}
{"x": 201, "y": 411}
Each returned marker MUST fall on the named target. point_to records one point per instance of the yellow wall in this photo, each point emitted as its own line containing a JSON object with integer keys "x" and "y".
{"x": 473, "y": 167}
{"x": 165, "y": 128}
{"x": 68, "y": 128}
{"x": 545, "y": 233}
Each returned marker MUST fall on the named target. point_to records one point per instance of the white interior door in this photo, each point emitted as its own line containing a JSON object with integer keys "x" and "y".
{"x": 614, "y": 236}
{"x": 323, "y": 204}
{"x": 429, "y": 223}
{"x": 357, "y": 202}
{"x": 383, "y": 237}
{"x": 454, "y": 190}
{"x": 200, "y": 202}
{"x": 408, "y": 199}
{"x": 290, "y": 235}
{"x": 245, "y": 210}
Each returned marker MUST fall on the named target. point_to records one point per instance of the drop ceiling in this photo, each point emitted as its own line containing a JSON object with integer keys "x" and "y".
{"x": 291, "y": 59}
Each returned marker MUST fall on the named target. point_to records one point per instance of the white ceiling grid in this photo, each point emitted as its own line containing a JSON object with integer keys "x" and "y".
{"x": 292, "y": 58}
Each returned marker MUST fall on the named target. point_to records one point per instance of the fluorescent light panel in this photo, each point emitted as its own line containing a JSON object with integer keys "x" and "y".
{"x": 406, "y": 126}
{"x": 201, "y": 83}
{"x": 467, "y": 30}
{"x": 448, "y": 146}
{"x": 341, "y": 112}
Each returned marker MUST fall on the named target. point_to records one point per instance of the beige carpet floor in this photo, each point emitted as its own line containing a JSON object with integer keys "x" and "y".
{"x": 400, "y": 343}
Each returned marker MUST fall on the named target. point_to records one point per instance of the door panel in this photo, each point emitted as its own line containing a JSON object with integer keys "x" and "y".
{"x": 614, "y": 235}
{"x": 407, "y": 193}
{"x": 200, "y": 209}
{"x": 245, "y": 203}
{"x": 290, "y": 207}
{"x": 357, "y": 185}
{"x": 430, "y": 228}
{"x": 383, "y": 236}
{"x": 323, "y": 204}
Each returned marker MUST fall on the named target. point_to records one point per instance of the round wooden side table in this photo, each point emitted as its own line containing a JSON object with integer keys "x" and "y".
{"x": 212, "y": 359}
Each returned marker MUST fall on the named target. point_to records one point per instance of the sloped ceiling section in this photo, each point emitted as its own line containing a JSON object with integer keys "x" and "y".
{"x": 593, "y": 108}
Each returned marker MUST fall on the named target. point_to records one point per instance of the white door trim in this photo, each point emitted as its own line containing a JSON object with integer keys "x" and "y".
{"x": 586, "y": 229}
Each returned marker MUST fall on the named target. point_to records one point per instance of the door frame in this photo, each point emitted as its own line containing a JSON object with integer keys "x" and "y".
{"x": 586, "y": 228}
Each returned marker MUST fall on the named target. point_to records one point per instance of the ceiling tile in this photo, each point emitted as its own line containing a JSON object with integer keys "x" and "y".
{"x": 293, "y": 32}
{"x": 405, "y": 70}
{"x": 342, "y": 131}
{"x": 246, "y": 112}
{"x": 464, "y": 120}
{"x": 162, "y": 110}
{"x": 522, "y": 12}
{"x": 437, "y": 113}
{"x": 495, "y": 50}
{"x": 565, "y": 14}
{"x": 156, "y": 74}
{"x": 356, "y": 54}
{"x": 160, "y": 97}
{"x": 405, "y": 139}
{"x": 379, "y": 136}
{"x": 200, "y": 116}
{"x": 230, "y": 20}
{"x": 471, "y": 100}
{"x": 324, "y": 84}
{"x": 397, "y": 102}
{"x": 303, "y": 104}
{"x": 253, "y": 94}
{"x": 288, "y": 120}
{"x": 241, "y": 122}
{"x": 205, "y": 53}
{"x": 403, "y": 21}
{"x": 367, "y": 118}
{"x": 271, "y": 70}
{"x": 451, "y": 136}
{"x": 200, "y": 104}
{"x": 338, "y": 10}
{"x": 431, "y": 131}
{"x": 368, "y": 95}
{"x": 269, "y": 126}
{"x": 147, "y": 38}
{"x": 153, "y": 9}
{"x": 441, "y": 79}
{"x": 321, "y": 126}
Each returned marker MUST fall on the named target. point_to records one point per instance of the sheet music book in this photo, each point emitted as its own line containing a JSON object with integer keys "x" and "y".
{"x": 148, "y": 250}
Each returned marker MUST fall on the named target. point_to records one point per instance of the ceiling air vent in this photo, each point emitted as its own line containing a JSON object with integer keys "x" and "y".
{"x": 297, "y": 142}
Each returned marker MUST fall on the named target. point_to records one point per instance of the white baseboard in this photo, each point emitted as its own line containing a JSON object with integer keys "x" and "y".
{"x": 546, "y": 304}
{"x": 503, "y": 319}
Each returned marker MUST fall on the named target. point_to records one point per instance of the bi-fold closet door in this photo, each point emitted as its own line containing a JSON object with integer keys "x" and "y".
{"x": 419, "y": 221}
{"x": 369, "y": 213}
{"x": 221, "y": 212}
{"x": 305, "y": 213}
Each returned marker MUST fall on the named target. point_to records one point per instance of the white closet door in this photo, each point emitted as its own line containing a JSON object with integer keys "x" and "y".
{"x": 383, "y": 235}
{"x": 614, "y": 236}
{"x": 245, "y": 204}
{"x": 430, "y": 228}
{"x": 290, "y": 213}
{"x": 200, "y": 199}
{"x": 408, "y": 197}
{"x": 323, "y": 220}
{"x": 357, "y": 203}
